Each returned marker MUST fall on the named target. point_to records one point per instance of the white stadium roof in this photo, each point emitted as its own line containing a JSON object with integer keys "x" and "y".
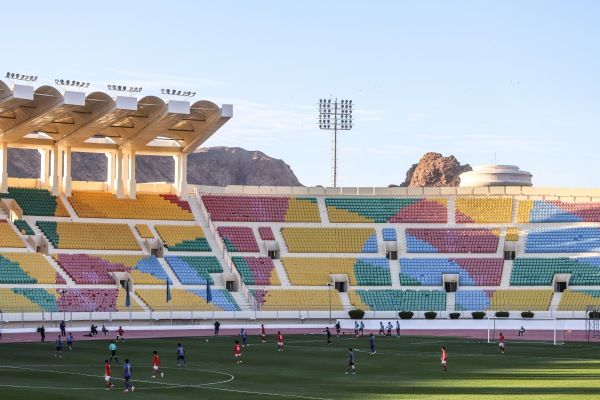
{"x": 41, "y": 117}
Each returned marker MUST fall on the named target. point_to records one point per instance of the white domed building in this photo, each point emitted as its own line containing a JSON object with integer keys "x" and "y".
{"x": 495, "y": 175}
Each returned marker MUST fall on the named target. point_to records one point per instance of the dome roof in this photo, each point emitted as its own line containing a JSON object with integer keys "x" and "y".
{"x": 496, "y": 175}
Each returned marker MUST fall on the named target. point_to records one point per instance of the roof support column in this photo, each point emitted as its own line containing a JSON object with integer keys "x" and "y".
{"x": 67, "y": 181}
{"x": 131, "y": 183}
{"x": 4, "y": 166}
{"x": 180, "y": 180}
{"x": 118, "y": 186}
{"x": 110, "y": 172}
{"x": 44, "y": 167}
{"x": 55, "y": 169}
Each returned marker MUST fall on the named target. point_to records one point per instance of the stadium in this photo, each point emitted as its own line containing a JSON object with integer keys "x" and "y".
{"x": 469, "y": 261}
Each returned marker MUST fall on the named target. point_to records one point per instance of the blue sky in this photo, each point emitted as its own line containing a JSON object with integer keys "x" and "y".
{"x": 469, "y": 78}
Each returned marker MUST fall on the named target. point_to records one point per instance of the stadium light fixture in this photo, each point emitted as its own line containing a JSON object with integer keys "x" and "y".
{"x": 12, "y": 77}
{"x": 181, "y": 93}
{"x": 335, "y": 116}
{"x": 71, "y": 83}
{"x": 119, "y": 88}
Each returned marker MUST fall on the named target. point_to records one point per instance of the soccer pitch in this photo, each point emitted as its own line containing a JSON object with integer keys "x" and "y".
{"x": 407, "y": 367}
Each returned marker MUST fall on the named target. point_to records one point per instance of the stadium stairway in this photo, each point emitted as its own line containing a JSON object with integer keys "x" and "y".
{"x": 556, "y": 298}
{"x": 515, "y": 211}
{"x": 395, "y": 273}
{"x": 451, "y": 301}
{"x": 242, "y": 301}
{"x": 136, "y": 299}
{"x": 345, "y": 299}
{"x": 61, "y": 271}
{"x": 68, "y": 206}
{"x": 506, "y": 271}
{"x": 281, "y": 272}
{"x": 451, "y": 212}
{"x": 322, "y": 210}
{"x": 169, "y": 271}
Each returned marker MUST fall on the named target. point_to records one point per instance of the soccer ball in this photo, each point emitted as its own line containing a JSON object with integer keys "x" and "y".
{"x": 207, "y": 340}
{"x": 112, "y": 385}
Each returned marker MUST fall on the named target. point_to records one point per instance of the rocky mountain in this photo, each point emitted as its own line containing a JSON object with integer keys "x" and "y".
{"x": 218, "y": 166}
{"x": 435, "y": 170}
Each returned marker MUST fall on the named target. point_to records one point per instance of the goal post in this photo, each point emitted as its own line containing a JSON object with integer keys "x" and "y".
{"x": 546, "y": 330}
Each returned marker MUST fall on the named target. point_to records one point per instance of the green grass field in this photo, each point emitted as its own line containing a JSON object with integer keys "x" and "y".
{"x": 408, "y": 367}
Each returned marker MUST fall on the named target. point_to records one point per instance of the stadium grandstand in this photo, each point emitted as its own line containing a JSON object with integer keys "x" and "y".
{"x": 110, "y": 250}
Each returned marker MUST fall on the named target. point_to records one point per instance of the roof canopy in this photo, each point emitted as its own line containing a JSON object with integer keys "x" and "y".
{"x": 97, "y": 122}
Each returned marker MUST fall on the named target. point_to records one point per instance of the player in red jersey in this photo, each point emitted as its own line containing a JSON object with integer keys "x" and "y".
{"x": 120, "y": 333}
{"x": 237, "y": 350}
{"x": 263, "y": 333}
{"x": 155, "y": 365}
{"x": 501, "y": 344}
{"x": 107, "y": 375}
{"x": 279, "y": 341}
{"x": 444, "y": 358}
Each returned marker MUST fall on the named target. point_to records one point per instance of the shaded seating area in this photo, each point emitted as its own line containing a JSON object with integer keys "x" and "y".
{"x": 36, "y": 202}
{"x": 94, "y": 204}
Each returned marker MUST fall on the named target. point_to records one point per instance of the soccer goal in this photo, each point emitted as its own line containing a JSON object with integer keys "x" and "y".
{"x": 548, "y": 330}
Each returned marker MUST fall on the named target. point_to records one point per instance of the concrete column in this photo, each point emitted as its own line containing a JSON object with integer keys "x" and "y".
{"x": 110, "y": 172}
{"x": 4, "y": 167}
{"x": 44, "y": 167}
{"x": 183, "y": 177}
{"x": 118, "y": 185}
{"x": 55, "y": 169}
{"x": 177, "y": 174}
{"x": 67, "y": 180}
{"x": 131, "y": 183}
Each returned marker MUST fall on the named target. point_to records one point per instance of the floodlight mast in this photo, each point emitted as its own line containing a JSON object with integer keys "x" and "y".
{"x": 335, "y": 116}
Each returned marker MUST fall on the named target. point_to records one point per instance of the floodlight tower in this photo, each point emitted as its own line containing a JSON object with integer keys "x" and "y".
{"x": 335, "y": 116}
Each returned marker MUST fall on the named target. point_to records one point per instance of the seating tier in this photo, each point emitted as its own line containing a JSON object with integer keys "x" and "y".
{"x": 23, "y": 227}
{"x": 483, "y": 210}
{"x": 298, "y": 299}
{"x": 381, "y": 210}
{"x": 27, "y": 299}
{"x": 183, "y": 237}
{"x": 238, "y": 239}
{"x": 512, "y": 235}
{"x": 85, "y": 235}
{"x": 579, "y": 300}
{"x": 144, "y": 231}
{"x": 535, "y": 211}
{"x": 262, "y": 208}
{"x": 266, "y": 233}
{"x": 256, "y": 270}
{"x": 470, "y": 271}
{"x": 563, "y": 240}
{"x": 452, "y": 240}
{"x": 8, "y": 237}
{"x": 27, "y": 268}
{"x": 473, "y": 300}
{"x": 316, "y": 271}
{"x": 194, "y": 270}
{"x": 585, "y": 271}
{"x": 397, "y": 300}
{"x": 95, "y": 269}
{"x": 526, "y": 300}
{"x": 330, "y": 240}
{"x": 36, "y": 202}
{"x": 90, "y": 204}
{"x": 182, "y": 299}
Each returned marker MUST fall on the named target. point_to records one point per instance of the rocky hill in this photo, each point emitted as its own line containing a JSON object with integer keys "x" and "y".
{"x": 218, "y": 166}
{"x": 435, "y": 170}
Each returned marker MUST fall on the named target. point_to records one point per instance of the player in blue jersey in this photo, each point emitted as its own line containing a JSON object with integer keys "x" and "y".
{"x": 127, "y": 370}
{"x": 372, "y": 343}
{"x": 70, "y": 341}
{"x": 350, "y": 362}
{"x": 244, "y": 336}
{"x": 180, "y": 355}
{"x": 58, "y": 352}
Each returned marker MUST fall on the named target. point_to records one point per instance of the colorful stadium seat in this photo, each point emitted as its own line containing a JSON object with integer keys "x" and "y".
{"x": 534, "y": 211}
{"x": 563, "y": 240}
{"x": 20, "y": 268}
{"x": 85, "y": 235}
{"x": 301, "y": 299}
{"x": 8, "y": 237}
{"x": 194, "y": 270}
{"x": 585, "y": 271}
{"x": 186, "y": 300}
{"x": 579, "y": 300}
{"x": 183, "y": 237}
{"x": 316, "y": 271}
{"x": 238, "y": 238}
{"x": 36, "y": 202}
{"x": 262, "y": 208}
{"x": 452, "y": 240}
{"x": 381, "y": 210}
{"x": 256, "y": 270}
{"x": 483, "y": 210}
{"x": 473, "y": 300}
{"x": 398, "y": 300}
{"x": 470, "y": 271}
{"x": 524, "y": 300}
{"x": 330, "y": 240}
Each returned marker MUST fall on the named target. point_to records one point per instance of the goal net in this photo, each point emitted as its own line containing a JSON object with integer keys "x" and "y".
{"x": 548, "y": 330}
